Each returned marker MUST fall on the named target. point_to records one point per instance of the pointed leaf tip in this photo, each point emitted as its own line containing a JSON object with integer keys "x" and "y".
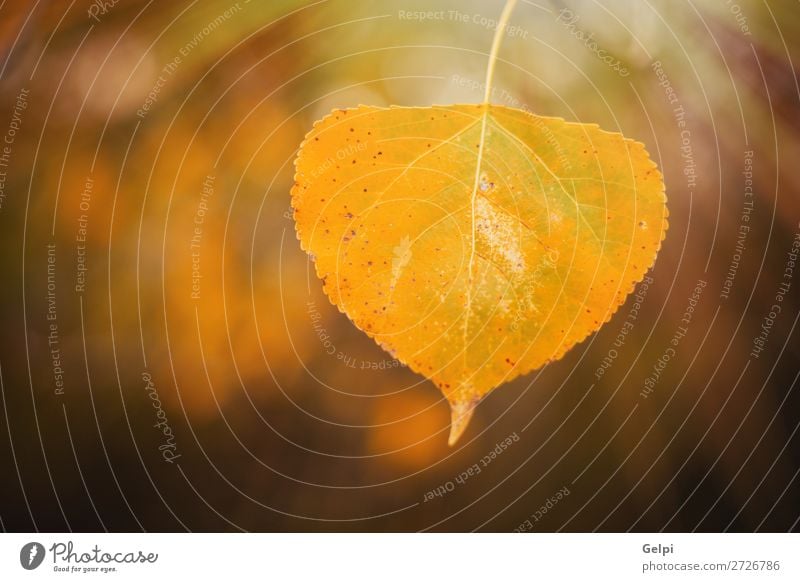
{"x": 460, "y": 415}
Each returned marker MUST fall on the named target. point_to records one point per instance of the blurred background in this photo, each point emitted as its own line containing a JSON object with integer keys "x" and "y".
{"x": 168, "y": 361}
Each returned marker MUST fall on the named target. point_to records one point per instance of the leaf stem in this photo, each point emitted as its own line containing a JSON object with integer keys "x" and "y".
{"x": 498, "y": 37}
{"x": 464, "y": 403}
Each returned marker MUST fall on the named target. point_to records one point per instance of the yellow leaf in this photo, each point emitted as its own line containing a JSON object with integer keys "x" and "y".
{"x": 475, "y": 243}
